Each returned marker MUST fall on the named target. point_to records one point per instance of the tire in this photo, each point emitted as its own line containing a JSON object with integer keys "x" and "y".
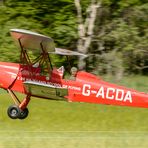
{"x": 23, "y": 114}
{"x": 13, "y": 111}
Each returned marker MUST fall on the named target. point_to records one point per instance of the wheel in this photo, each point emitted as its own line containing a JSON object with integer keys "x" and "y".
{"x": 23, "y": 114}
{"x": 13, "y": 112}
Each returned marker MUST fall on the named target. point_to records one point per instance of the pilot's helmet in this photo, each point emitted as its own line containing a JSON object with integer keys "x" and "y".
{"x": 74, "y": 70}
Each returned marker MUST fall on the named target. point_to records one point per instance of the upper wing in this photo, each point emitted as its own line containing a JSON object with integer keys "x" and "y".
{"x": 36, "y": 41}
{"x": 32, "y": 40}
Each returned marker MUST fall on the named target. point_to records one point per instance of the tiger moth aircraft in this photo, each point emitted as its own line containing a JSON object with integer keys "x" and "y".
{"x": 39, "y": 77}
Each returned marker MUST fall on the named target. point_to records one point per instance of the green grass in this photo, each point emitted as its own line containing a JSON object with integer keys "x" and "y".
{"x": 134, "y": 81}
{"x": 53, "y": 124}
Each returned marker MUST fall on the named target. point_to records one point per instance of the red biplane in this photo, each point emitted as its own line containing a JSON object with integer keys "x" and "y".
{"x": 40, "y": 78}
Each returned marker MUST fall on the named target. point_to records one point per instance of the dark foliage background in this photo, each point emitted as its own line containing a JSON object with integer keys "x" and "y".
{"x": 120, "y": 42}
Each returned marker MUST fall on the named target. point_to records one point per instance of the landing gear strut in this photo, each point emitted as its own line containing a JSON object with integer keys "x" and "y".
{"x": 19, "y": 110}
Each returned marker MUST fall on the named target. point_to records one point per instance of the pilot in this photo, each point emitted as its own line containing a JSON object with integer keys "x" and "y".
{"x": 73, "y": 71}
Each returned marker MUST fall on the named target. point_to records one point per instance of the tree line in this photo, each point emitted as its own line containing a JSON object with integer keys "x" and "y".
{"x": 113, "y": 33}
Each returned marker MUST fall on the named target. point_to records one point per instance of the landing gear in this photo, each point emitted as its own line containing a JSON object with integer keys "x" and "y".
{"x": 14, "y": 112}
{"x": 24, "y": 113}
{"x": 19, "y": 110}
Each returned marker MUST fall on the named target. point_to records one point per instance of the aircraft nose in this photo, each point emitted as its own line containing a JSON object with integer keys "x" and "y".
{"x": 8, "y": 73}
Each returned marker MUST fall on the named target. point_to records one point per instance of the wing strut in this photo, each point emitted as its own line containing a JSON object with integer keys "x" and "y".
{"x": 24, "y": 57}
{"x": 24, "y": 54}
{"x": 46, "y": 55}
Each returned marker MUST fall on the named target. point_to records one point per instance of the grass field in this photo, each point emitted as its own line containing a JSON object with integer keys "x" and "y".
{"x": 54, "y": 124}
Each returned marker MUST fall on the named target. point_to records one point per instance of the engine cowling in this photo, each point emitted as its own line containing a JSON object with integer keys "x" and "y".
{"x": 8, "y": 74}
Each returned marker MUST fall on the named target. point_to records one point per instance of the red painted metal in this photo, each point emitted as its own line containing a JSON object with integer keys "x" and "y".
{"x": 25, "y": 102}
